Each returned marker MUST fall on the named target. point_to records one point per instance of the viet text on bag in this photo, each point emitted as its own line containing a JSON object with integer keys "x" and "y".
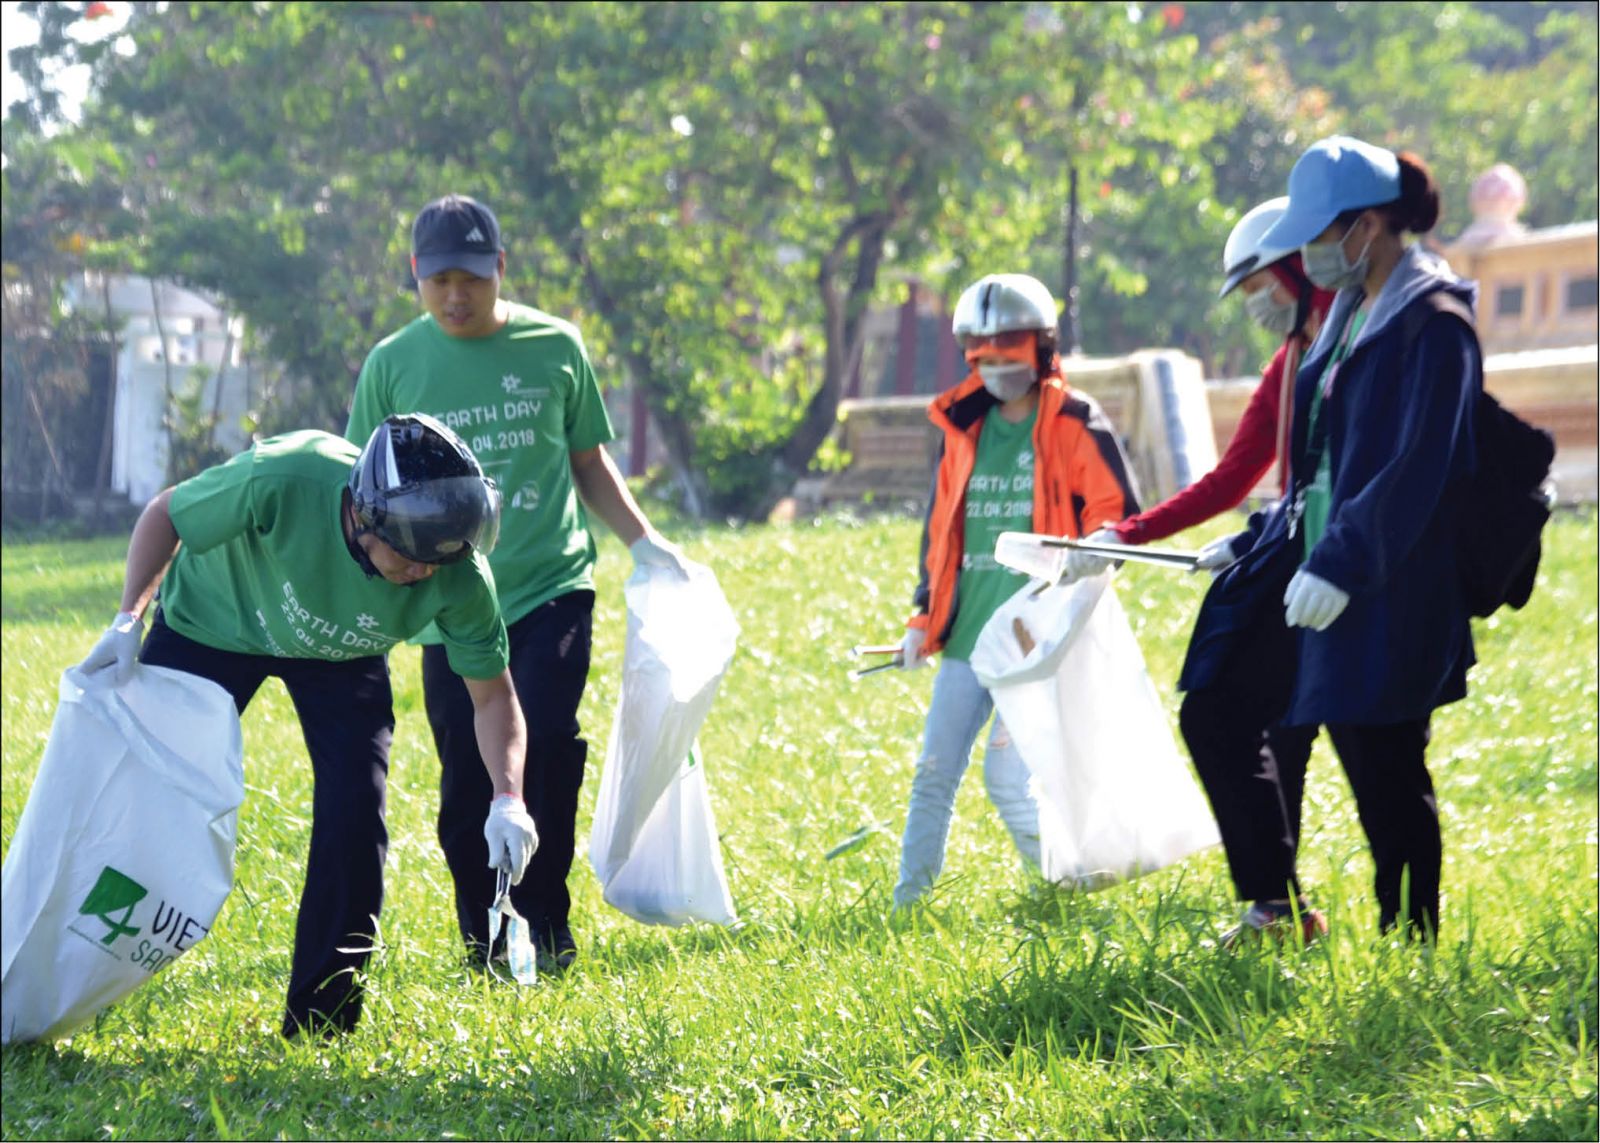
{"x": 1508, "y": 504}
{"x": 1116, "y": 799}
{"x": 123, "y": 854}
{"x": 654, "y": 844}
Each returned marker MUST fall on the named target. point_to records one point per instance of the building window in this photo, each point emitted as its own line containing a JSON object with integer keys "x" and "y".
{"x": 1582, "y": 293}
{"x": 1508, "y": 302}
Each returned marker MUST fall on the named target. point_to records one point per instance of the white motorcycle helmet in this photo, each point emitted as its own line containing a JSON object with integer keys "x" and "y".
{"x": 1244, "y": 252}
{"x": 1001, "y": 303}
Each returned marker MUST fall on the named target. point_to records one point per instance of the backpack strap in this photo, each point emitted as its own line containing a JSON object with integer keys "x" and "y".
{"x": 1415, "y": 316}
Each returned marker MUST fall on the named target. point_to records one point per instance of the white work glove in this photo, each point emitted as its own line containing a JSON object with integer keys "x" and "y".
{"x": 511, "y": 836}
{"x": 1080, "y": 565}
{"x": 118, "y": 648}
{"x": 911, "y": 656}
{"x": 1312, "y": 601}
{"x": 1216, "y": 556}
{"x": 654, "y": 550}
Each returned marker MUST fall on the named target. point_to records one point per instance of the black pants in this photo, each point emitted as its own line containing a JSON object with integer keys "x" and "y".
{"x": 347, "y": 717}
{"x": 1253, "y": 769}
{"x": 550, "y": 649}
{"x": 1388, "y": 771}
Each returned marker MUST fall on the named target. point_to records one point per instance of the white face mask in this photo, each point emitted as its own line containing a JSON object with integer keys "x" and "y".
{"x": 1008, "y": 380}
{"x": 1269, "y": 313}
{"x": 1327, "y": 267}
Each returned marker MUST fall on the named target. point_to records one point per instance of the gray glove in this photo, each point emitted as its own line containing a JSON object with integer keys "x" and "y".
{"x": 511, "y": 836}
{"x": 1216, "y": 556}
{"x": 911, "y": 656}
{"x": 1081, "y": 565}
{"x": 1311, "y": 601}
{"x": 117, "y": 650}
{"x": 654, "y": 550}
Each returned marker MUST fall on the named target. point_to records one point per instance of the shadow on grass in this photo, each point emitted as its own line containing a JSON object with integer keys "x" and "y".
{"x": 271, "y": 1089}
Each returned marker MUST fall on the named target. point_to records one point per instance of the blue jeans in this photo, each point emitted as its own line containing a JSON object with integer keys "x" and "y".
{"x": 956, "y": 715}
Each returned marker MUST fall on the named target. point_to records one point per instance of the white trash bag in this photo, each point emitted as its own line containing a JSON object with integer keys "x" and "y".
{"x": 124, "y": 852}
{"x": 1116, "y": 799}
{"x": 654, "y": 843}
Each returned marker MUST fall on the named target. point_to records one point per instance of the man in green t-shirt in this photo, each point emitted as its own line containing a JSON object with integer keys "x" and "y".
{"x": 306, "y": 559}
{"x": 517, "y": 384}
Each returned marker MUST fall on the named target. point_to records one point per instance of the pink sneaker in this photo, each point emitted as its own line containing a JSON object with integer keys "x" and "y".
{"x": 1271, "y": 919}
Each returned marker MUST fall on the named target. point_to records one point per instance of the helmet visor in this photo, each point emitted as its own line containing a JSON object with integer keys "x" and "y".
{"x": 1010, "y": 340}
{"x": 441, "y": 521}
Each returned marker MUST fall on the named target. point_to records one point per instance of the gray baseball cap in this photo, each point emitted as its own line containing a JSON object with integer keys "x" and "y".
{"x": 455, "y": 233}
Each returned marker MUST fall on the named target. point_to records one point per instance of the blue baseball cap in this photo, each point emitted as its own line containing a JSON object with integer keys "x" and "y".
{"x": 455, "y": 233}
{"x": 1335, "y": 174}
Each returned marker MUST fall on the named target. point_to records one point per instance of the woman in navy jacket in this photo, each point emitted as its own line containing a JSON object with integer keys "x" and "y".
{"x": 1382, "y": 445}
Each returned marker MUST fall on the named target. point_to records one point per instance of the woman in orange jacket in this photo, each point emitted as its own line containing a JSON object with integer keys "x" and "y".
{"x": 1021, "y": 451}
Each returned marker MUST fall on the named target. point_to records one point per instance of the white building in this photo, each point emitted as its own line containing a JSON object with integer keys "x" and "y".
{"x": 203, "y": 347}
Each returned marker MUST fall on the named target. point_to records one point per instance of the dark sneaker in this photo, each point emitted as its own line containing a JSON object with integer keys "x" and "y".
{"x": 555, "y": 952}
{"x": 1277, "y": 921}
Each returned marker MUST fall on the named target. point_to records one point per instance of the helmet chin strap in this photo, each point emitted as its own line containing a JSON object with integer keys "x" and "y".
{"x": 352, "y": 537}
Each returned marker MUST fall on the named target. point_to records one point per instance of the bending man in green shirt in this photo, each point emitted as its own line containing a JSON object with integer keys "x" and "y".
{"x": 306, "y": 559}
{"x": 516, "y": 382}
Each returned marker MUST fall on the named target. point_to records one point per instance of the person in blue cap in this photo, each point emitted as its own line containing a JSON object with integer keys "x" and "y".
{"x": 1358, "y": 555}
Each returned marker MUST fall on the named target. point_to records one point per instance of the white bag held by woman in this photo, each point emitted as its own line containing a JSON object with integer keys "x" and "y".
{"x": 124, "y": 852}
{"x": 654, "y": 843}
{"x": 1116, "y": 799}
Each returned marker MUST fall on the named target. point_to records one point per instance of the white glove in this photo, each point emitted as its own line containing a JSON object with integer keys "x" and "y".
{"x": 911, "y": 656}
{"x": 1081, "y": 565}
{"x": 1215, "y": 556}
{"x": 118, "y": 648}
{"x": 1312, "y": 601}
{"x": 511, "y": 836}
{"x": 654, "y": 550}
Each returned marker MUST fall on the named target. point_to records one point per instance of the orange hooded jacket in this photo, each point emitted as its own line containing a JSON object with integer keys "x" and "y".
{"x": 1082, "y": 482}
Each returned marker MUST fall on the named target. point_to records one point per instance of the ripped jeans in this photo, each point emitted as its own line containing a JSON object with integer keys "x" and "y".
{"x": 956, "y": 715}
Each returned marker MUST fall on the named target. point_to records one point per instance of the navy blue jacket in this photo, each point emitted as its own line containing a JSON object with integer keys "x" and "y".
{"x": 1400, "y": 448}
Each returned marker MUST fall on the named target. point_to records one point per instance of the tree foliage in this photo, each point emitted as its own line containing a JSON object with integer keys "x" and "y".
{"x": 716, "y": 193}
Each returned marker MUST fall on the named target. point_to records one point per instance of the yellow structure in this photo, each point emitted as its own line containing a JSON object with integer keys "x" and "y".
{"x": 1538, "y": 289}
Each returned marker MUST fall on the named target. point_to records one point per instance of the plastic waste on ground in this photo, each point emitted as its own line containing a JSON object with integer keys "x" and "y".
{"x": 654, "y": 843}
{"x": 123, "y": 854}
{"x": 1116, "y": 798}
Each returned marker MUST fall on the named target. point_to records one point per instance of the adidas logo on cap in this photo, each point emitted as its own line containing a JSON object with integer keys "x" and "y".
{"x": 474, "y": 235}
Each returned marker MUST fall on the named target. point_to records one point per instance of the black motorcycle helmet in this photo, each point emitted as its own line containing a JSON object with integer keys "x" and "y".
{"x": 419, "y": 489}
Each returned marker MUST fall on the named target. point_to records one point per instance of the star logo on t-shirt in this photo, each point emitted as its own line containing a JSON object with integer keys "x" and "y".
{"x": 510, "y": 382}
{"x": 366, "y": 622}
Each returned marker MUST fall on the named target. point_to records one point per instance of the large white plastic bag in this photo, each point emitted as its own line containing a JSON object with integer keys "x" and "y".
{"x": 654, "y": 843}
{"x": 123, "y": 854}
{"x": 1116, "y": 798}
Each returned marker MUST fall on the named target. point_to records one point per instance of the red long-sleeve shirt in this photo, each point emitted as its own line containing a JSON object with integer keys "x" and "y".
{"x": 1248, "y": 456}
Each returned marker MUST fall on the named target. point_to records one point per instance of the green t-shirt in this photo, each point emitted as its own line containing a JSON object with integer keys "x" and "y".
{"x": 523, "y": 398}
{"x": 264, "y": 568}
{"x": 1319, "y": 493}
{"x": 999, "y": 499}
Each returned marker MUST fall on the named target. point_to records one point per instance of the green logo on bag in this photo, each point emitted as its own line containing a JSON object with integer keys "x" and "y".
{"x": 114, "y": 893}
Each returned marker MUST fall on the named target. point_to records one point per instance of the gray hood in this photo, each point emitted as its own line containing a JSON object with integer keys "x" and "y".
{"x": 1419, "y": 272}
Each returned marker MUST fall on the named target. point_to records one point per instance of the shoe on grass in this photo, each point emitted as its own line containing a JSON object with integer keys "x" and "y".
{"x": 1276, "y": 920}
{"x": 555, "y": 952}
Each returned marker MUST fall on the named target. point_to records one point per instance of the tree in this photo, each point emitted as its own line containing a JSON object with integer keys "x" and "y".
{"x": 716, "y": 193}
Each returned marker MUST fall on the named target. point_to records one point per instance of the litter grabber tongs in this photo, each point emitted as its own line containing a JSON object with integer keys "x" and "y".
{"x": 892, "y": 649}
{"x": 519, "y": 961}
{"x": 1045, "y": 557}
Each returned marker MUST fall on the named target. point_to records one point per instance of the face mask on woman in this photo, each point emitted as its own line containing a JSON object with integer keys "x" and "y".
{"x": 1269, "y": 313}
{"x": 1327, "y": 267}
{"x": 1008, "y": 380}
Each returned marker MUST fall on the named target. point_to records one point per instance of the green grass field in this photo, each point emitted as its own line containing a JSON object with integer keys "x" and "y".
{"x": 1004, "y": 1010}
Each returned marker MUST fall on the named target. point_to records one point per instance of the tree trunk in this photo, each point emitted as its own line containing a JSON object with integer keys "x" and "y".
{"x": 108, "y": 433}
{"x": 676, "y": 433}
{"x": 166, "y": 367}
